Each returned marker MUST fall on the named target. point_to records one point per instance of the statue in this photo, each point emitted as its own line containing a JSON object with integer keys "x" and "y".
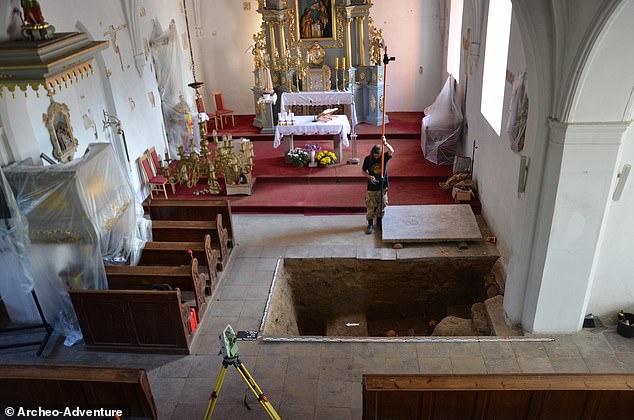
{"x": 35, "y": 27}
{"x": 376, "y": 43}
{"x": 260, "y": 57}
{"x": 32, "y": 12}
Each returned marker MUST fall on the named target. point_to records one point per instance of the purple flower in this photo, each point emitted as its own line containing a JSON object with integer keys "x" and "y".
{"x": 309, "y": 147}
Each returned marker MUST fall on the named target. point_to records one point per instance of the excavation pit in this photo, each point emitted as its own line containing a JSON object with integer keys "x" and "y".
{"x": 351, "y": 298}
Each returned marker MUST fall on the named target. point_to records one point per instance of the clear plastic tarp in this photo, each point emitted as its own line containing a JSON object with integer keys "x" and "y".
{"x": 441, "y": 126}
{"x": 180, "y": 121}
{"x": 15, "y": 274}
{"x": 518, "y": 113}
{"x": 79, "y": 214}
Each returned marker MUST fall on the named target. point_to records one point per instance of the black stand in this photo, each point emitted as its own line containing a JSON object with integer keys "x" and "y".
{"x": 47, "y": 327}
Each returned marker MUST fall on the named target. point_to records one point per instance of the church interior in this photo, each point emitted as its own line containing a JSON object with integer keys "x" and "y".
{"x": 183, "y": 176}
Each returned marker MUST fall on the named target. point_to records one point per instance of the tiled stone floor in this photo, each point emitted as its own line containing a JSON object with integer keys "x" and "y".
{"x": 319, "y": 380}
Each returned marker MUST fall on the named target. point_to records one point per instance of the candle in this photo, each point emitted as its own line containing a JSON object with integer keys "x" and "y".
{"x": 336, "y": 63}
{"x": 343, "y": 63}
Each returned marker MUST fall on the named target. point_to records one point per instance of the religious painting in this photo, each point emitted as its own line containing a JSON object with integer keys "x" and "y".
{"x": 315, "y": 19}
{"x": 57, "y": 120}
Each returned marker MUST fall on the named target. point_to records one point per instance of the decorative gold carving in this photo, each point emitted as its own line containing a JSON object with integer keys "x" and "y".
{"x": 276, "y": 78}
{"x": 374, "y": 77}
{"x": 57, "y": 120}
{"x": 381, "y": 103}
{"x": 55, "y": 236}
{"x": 372, "y": 103}
{"x": 376, "y": 42}
{"x": 260, "y": 58}
{"x": 340, "y": 28}
{"x": 291, "y": 29}
{"x": 316, "y": 54}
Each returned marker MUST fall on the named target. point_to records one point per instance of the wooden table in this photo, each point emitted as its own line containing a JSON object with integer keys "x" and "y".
{"x": 338, "y": 127}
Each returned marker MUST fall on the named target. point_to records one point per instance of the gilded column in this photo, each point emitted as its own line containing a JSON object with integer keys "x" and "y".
{"x": 348, "y": 43}
{"x": 361, "y": 40}
{"x": 281, "y": 27}
{"x": 272, "y": 40}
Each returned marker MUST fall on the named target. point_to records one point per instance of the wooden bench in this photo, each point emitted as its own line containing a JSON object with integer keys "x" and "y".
{"x": 191, "y": 210}
{"x": 185, "y": 278}
{"x": 176, "y": 253}
{"x": 509, "y": 396}
{"x": 146, "y": 321}
{"x": 87, "y": 387}
{"x": 193, "y": 231}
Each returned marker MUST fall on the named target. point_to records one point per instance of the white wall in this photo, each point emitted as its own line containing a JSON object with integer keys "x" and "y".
{"x": 613, "y": 287}
{"x": 120, "y": 91}
{"x": 412, "y": 34}
{"x": 221, "y": 52}
{"x": 496, "y": 166}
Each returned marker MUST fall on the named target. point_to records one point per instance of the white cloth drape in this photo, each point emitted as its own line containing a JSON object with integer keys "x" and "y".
{"x": 305, "y": 125}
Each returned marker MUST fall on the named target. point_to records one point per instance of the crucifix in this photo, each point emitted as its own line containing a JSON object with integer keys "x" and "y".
{"x": 112, "y": 34}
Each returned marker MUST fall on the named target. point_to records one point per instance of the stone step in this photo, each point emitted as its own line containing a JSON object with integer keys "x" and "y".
{"x": 497, "y": 318}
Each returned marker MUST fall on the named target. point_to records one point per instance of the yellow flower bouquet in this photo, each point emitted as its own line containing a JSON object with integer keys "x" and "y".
{"x": 325, "y": 158}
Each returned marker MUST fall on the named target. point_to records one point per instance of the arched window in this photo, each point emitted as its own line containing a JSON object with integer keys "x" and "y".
{"x": 495, "y": 57}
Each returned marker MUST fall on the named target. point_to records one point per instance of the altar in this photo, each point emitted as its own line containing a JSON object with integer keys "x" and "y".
{"x": 338, "y": 127}
{"x": 325, "y": 99}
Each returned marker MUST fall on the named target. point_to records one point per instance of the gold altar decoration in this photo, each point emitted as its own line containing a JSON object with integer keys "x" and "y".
{"x": 260, "y": 57}
{"x": 316, "y": 54}
{"x": 377, "y": 44}
{"x": 234, "y": 166}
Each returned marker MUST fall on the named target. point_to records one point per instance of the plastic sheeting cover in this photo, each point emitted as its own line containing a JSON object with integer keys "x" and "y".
{"x": 15, "y": 244}
{"x": 441, "y": 127}
{"x": 79, "y": 214}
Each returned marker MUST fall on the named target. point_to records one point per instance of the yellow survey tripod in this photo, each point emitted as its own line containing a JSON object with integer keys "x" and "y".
{"x": 229, "y": 351}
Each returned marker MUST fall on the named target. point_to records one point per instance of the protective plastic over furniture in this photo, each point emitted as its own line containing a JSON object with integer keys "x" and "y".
{"x": 442, "y": 126}
{"x": 221, "y": 111}
{"x": 156, "y": 182}
{"x": 79, "y": 214}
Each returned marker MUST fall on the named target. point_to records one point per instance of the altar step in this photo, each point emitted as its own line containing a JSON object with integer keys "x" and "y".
{"x": 327, "y": 197}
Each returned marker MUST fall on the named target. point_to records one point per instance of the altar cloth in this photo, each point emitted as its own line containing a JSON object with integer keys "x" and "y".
{"x": 305, "y": 125}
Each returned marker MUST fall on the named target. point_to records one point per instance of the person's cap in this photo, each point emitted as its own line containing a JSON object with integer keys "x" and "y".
{"x": 376, "y": 149}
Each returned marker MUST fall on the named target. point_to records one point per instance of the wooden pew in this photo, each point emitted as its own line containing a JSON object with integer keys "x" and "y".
{"x": 146, "y": 321}
{"x": 193, "y": 231}
{"x": 176, "y": 253}
{"x": 185, "y": 278}
{"x": 86, "y": 387}
{"x": 193, "y": 210}
{"x": 499, "y": 396}
{"x": 132, "y": 317}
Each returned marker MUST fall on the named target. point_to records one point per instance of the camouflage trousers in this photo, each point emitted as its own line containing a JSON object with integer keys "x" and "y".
{"x": 373, "y": 204}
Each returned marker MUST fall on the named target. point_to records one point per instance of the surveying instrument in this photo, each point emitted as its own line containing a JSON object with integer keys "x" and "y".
{"x": 229, "y": 351}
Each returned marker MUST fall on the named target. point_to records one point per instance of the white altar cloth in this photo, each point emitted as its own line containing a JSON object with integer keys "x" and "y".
{"x": 319, "y": 98}
{"x": 305, "y": 125}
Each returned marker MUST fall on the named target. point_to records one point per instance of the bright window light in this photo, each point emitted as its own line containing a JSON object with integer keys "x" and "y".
{"x": 495, "y": 57}
{"x": 455, "y": 38}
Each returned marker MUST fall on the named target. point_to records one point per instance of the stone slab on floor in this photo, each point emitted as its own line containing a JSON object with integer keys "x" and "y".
{"x": 430, "y": 223}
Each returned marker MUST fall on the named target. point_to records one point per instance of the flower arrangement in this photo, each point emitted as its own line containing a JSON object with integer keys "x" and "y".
{"x": 297, "y": 156}
{"x": 313, "y": 147}
{"x": 325, "y": 158}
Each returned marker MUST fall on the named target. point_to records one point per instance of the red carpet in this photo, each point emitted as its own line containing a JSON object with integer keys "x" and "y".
{"x": 339, "y": 188}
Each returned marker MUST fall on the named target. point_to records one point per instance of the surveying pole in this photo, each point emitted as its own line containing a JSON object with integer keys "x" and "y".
{"x": 386, "y": 61}
{"x": 229, "y": 351}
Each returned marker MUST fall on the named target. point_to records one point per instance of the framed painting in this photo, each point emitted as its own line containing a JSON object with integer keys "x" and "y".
{"x": 315, "y": 19}
{"x": 57, "y": 120}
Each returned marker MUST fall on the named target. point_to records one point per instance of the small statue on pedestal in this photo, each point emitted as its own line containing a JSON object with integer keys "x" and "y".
{"x": 35, "y": 27}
